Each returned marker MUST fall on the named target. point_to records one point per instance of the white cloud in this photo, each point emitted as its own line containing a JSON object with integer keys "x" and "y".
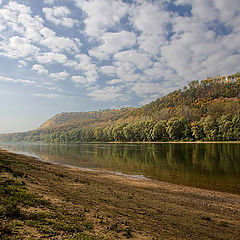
{"x": 101, "y": 14}
{"x": 18, "y": 18}
{"x": 142, "y": 46}
{"x": 22, "y": 64}
{"x": 59, "y": 75}
{"x": 84, "y": 61}
{"x": 79, "y": 80}
{"x": 47, "y": 33}
{"x": 106, "y": 94}
{"x": 84, "y": 64}
{"x": 95, "y": 52}
{"x": 17, "y": 8}
{"x": 204, "y": 10}
{"x": 140, "y": 59}
{"x": 114, "y": 81}
{"x": 16, "y": 80}
{"x": 49, "y": 1}
{"x": 47, "y": 95}
{"x": 30, "y": 26}
{"x": 50, "y": 57}
{"x": 127, "y": 72}
{"x": 59, "y": 16}
{"x": 198, "y": 48}
{"x": 113, "y": 42}
{"x": 151, "y": 44}
{"x": 160, "y": 70}
{"x": 59, "y": 44}
{"x": 227, "y": 10}
{"x": 144, "y": 88}
{"x": 108, "y": 70}
{"x": 149, "y": 18}
{"x": 39, "y": 69}
{"x": 17, "y": 47}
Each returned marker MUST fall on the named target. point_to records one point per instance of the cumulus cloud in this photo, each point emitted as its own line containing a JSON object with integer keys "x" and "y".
{"x": 101, "y": 14}
{"x": 108, "y": 70}
{"x": 84, "y": 64}
{"x": 79, "y": 80}
{"x": 113, "y": 42}
{"x": 151, "y": 19}
{"x": 143, "y": 88}
{"x": 59, "y": 75}
{"x": 59, "y": 44}
{"x": 115, "y": 81}
{"x": 39, "y": 69}
{"x": 140, "y": 59}
{"x": 59, "y": 16}
{"x": 16, "y": 47}
{"x": 127, "y": 72}
{"x": 197, "y": 49}
{"x": 106, "y": 94}
{"x": 145, "y": 48}
{"x": 19, "y": 19}
{"x": 49, "y": 1}
{"x": 50, "y": 57}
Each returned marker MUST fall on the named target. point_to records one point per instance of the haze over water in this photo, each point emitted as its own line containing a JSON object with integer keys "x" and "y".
{"x": 214, "y": 166}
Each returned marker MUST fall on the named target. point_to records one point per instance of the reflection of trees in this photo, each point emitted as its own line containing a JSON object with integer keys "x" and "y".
{"x": 190, "y": 164}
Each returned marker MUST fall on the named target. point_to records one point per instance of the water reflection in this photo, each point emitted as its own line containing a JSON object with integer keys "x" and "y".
{"x": 211, "y": 166}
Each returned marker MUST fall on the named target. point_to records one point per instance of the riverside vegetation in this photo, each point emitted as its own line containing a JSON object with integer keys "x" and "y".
{"x": 204, "y": 111}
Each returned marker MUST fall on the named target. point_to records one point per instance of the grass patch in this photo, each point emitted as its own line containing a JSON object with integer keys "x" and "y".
{"x": 21, "y": 209}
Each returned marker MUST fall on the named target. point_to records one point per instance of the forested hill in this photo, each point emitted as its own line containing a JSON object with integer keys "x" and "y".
{"x": 208, "y": 110}
{"x": 86, "y": 118}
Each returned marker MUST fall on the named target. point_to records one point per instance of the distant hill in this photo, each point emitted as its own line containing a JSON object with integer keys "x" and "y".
{"x": 85, "y": 118}
{"x": 206, "y": 110}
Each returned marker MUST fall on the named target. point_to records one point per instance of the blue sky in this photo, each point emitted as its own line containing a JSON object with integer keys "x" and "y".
{"x": 82, "y": 55}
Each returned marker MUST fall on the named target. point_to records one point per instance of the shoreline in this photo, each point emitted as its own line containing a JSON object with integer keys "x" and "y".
{"x": 112, "y": 174}
{"x": 117, "y": 204}
{"x": 117, "y": 142}
{"x": 122, "y": 174}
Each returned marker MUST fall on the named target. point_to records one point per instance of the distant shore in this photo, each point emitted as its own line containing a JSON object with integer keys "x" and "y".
{"x": 143, "y": 142}
{"x": 177, "y": 142}
{"x": 124, "y": 207}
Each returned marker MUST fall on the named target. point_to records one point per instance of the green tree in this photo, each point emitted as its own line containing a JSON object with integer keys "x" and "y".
{"x": 176, "y": 128}
{"x": 159, "y": 132}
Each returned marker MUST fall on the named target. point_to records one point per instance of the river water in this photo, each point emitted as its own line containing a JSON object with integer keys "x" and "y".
{"x": 214, "y": 166}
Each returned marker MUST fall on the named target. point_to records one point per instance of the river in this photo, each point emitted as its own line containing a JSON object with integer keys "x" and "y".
{"x": 214, "y": 166}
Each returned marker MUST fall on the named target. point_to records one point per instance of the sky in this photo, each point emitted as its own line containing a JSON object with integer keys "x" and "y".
{"x": 83, "y": 55}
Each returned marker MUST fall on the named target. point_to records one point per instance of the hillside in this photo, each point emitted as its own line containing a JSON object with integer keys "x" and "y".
{"x": 86, "y": 118}
{"x": 208, "y": 110}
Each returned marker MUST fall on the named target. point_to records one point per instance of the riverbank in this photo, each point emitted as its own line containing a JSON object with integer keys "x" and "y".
{"x": 71, "y": 203}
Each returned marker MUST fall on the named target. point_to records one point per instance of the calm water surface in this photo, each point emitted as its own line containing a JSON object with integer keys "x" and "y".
{"x": 213, "y": 166}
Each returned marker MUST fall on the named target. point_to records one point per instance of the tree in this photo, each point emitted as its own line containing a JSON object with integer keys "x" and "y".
{"x": 176, "y": 128}
{"x": 210, "y": 128}
{"x": 159, "y": 132}
{"x": 197, "y": 130}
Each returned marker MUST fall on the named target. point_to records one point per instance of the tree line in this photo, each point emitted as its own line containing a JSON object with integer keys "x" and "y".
{"x": 225, "y": 128}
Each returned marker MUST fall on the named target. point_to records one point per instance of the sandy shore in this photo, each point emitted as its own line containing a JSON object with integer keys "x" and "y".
{"x": 123, "y": 207}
